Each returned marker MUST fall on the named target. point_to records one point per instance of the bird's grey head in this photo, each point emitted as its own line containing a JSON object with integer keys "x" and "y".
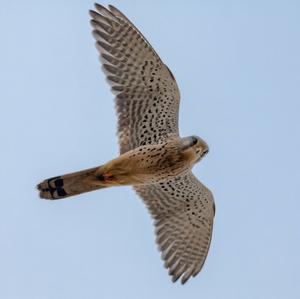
{"x": 195, "y": 145}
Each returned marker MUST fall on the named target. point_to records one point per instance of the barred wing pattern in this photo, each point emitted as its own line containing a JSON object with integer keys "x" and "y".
{"x": 147, "y": 96}
{"x": 183, "y": 210}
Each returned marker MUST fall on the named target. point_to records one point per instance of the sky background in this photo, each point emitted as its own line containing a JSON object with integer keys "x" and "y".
{"x": 237, "y": 64}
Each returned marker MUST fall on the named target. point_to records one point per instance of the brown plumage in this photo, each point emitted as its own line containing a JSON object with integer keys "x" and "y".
{"x": 153, "y": 158}
{"x": 143, "y": 165}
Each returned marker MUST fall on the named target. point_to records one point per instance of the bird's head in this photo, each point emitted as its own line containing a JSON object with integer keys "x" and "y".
{"x": 195, "y": 147}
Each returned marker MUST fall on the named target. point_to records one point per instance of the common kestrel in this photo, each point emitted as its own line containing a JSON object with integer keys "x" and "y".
{"x": 154, "y": 159}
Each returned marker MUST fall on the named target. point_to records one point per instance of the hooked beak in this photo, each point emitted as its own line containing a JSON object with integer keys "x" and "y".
{"x": 204, "y": 153}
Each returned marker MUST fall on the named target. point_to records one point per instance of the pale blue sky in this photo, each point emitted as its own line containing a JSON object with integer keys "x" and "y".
{"x": 237, "y": 64}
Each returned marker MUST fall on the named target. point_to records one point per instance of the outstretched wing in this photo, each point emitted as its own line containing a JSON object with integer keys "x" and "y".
{"x": 147, "y": 96}
{"x": 183, "y": 210}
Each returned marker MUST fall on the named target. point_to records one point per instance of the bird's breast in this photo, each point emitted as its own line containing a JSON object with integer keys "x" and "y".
{"x": 150, "y": 164}
{"x": 157, "y": 163}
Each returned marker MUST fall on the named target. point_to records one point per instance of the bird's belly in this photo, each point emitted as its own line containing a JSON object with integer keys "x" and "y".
{"x": 152, "y": 172}
{"x": 148, "y": 164}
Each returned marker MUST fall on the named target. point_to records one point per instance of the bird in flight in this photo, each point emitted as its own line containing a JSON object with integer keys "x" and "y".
{"x": 153, "y": 158}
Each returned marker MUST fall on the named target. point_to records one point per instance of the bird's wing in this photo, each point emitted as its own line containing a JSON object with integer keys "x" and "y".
{"x": 183, "y": 210}
{"x": 147, "y": 96}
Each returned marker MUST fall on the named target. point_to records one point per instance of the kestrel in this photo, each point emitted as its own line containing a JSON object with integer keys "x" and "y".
{"x": 154, "y": 159}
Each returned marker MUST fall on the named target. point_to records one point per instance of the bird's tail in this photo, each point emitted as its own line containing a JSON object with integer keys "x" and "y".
{"x": 72, "y": 184}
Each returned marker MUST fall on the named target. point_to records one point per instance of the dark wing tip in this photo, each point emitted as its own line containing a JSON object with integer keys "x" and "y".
{"x": 93, "y": 14}
{"x": 104, "y": 11}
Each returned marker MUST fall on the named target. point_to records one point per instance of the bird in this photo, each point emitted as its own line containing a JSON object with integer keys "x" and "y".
{"x": 153, "y": 158}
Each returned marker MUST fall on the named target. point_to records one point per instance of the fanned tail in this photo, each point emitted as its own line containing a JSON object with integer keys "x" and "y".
{"x": 71, "y": 184}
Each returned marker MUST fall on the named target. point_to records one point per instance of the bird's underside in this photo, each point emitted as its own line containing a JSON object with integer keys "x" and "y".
{"x": 153, "y": 158}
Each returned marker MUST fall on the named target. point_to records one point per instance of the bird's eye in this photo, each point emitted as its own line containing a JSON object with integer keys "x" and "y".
{"x": 194, "y": 140}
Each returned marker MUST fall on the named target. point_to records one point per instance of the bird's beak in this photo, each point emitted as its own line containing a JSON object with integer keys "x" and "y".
{"x": 204, "y": 153}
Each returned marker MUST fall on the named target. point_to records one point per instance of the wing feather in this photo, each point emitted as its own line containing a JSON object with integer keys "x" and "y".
{"x": 183, "y": 210}
{"x": 147, "y": 95}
